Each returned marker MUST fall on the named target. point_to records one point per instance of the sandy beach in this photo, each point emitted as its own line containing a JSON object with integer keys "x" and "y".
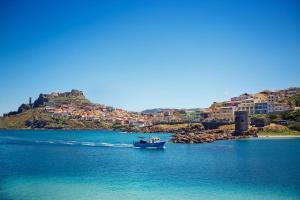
{"x": 278, "y": 136}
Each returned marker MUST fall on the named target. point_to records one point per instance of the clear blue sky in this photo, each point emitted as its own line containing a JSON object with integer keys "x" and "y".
{"x": 147, "y": 54}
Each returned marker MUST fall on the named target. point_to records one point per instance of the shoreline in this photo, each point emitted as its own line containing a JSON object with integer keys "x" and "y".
{"x": 278, "y": 136}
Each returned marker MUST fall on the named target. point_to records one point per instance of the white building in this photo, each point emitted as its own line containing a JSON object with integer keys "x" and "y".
{"x": 279, "y": 107}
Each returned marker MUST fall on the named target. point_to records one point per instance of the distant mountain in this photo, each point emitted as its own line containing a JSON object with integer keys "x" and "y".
{"x": 155, "y": 110}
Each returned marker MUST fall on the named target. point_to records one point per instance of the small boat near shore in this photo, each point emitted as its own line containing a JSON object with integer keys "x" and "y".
{"x": 152, "y": 143}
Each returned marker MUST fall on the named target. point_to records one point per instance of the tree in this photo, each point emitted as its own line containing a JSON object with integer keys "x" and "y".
{"x": 272, "y": 117}
{"x": 294, "y": 100}
{"x": 291, "y": 115}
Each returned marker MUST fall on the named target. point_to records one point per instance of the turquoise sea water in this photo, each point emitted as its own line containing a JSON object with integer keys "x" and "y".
{"x": 103, "y": 165}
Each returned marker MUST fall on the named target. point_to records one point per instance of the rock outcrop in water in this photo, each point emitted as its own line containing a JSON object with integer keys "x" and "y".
{"x": 207, "y": 136}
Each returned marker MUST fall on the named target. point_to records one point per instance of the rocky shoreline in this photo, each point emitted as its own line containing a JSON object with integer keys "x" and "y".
{"x": 196, "y": 133}
{"x": 200, "y": 135}
{"x": 207, "y": 136}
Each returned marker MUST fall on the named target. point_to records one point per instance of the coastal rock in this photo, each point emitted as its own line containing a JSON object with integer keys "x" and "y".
{"x": 208, "y": 136}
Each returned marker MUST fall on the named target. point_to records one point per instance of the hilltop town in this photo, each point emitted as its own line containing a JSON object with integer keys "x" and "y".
{"x": 71, "y": 110}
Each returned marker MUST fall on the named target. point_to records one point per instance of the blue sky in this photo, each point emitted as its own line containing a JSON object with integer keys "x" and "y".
{"x": 147, "y": 54}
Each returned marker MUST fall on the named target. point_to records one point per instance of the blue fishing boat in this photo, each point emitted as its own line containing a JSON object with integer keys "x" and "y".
{"x": 152, "y": 143}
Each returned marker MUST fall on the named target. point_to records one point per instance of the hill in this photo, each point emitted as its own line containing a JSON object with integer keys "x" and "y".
{"x": 74, "y": 97}
{"x": 37, "y": 119}
{"x": 32, "y": 116}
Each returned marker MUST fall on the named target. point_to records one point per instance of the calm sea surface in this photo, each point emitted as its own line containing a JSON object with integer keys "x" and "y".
{"x": 38, "y": 165}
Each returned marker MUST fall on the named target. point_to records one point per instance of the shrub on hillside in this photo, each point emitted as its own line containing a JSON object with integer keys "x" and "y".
{"x": 294, "y": 100}
{"x": 291, "y": 115}
{"x": 272, "y": 117}
{"x": 294, "y": 126}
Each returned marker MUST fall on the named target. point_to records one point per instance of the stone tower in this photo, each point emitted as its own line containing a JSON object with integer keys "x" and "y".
{"x": 241, "y": 122}
{"x": 30, "y": 103}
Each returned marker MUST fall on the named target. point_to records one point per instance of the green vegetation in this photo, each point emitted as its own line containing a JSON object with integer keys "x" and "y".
{"x": 294, "y": 126}
{"x": 292, "y": 118}
{"x": 294, "y": 100}
{"x": 279, "y": 133}
{"x": 291, "y": 115}
{"x": 271, "y": 117}
{"x": 18, "y": 121}
{"x": 277, "y": 130}
{"x": 36, "y": 118}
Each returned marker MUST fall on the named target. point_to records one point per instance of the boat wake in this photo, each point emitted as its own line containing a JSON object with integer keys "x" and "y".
{"x": 12, "y": 140}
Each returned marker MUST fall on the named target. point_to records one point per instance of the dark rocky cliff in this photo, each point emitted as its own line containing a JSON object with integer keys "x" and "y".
{"x": 75, "y": 97}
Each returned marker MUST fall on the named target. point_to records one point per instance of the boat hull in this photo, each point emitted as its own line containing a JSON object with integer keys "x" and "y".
{"x": 156, "y": 145}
